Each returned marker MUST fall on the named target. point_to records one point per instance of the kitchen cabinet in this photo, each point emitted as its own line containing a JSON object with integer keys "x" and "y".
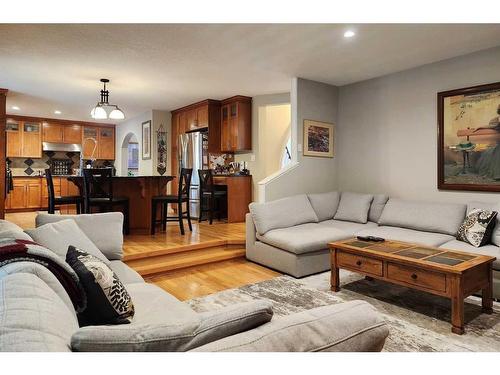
{"x": 53, "y": 132}
{"x": 106, "y": 144}
{"x": 90, "y": 144}
{"x": 202, "y": 116}
{"x": 23, "y": 139}
{"x": 33, "y": 193}
{"x": 192, "y": 120}
{"x": 236, "y": 124}
{"x": 72, "y": 134}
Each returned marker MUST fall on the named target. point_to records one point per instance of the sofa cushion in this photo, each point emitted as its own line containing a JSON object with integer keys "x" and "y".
{"x": 353, "y": 326}
{"x": 354, "y": 207}
{"x": 164, "y": 337}
{"x": 495, "y": 237}
{"x": 126, "y": 274}
{"x": 105, "y": 230}
{"x": 477, "y": 227}
{"x": 60, "y": 235}
{"x": 33, "y": 317}
{"x": 426, "y": 216}
{"x": 351, "y": 229}
{"x": 108, "y": 301}
{"x": 8, "y": 225}
{"x": 304, "y": 238}
{"x": 17, "y": 235}
{"x": 407, "y": 235}
{"x": 377, "y": 206}
{"x": 282, "y": 213}
{"x": 325, "y": 204}
{"x": 491, "y": 250}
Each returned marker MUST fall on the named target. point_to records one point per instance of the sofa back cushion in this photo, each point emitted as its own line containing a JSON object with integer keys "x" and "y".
{"x": 354, "y": 207}
{"x": 495, "y": 237}
{"x": 32, "y": 316}
{"x": 425, "y": 216}
{"x": 62, "y": 234}
{"x": 377, "y": 206}
{"x": 7, "y": 225}
{"x": 282, "y": 213}
{"x": 325, "y": 204}
{"x": 104, "y": 230}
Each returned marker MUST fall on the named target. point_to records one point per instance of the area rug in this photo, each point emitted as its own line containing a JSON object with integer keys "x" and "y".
{"x": 418, "y": 322}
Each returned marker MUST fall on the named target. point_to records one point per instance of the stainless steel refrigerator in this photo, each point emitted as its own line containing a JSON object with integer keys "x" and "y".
{"x": 193, "y": 153}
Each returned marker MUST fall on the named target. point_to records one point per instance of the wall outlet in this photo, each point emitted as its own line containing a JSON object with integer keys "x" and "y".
{"x": 252, "y": 157}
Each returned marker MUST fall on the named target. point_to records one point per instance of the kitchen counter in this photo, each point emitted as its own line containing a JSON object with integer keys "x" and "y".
{"x": 239, "y": 195}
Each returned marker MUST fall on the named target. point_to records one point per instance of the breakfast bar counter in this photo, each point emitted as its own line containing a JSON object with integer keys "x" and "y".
{"x": 139, "y": 190}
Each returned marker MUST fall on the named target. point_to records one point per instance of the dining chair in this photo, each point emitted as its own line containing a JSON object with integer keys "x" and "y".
{"x": 57, "y": 200}
{"x": 211, "y": 199}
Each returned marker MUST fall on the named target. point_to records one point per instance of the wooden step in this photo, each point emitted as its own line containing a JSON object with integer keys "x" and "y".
{"x": 178, "y": 260}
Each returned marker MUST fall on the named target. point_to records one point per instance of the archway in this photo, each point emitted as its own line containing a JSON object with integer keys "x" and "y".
{"x": 130, "y": 155}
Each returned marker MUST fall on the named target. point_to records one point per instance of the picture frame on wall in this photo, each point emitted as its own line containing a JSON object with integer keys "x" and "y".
{"x": 318, "y": 139}
{"x": 469, "y": 138}
{"x": 146, "y": 140}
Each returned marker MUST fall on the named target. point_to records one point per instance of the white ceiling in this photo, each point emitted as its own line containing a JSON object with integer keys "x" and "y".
{"x": 49, "y": 67}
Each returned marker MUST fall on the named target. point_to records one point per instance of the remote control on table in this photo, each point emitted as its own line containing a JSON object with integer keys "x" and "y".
{"x": 370, "y": 238}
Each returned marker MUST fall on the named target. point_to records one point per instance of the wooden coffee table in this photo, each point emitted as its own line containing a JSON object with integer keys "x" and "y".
{"x": 447, "y": 273}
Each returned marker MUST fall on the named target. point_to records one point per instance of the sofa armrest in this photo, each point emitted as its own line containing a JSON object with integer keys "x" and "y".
{"x": 347, "y": 327}
{"x": 250, "y": 230}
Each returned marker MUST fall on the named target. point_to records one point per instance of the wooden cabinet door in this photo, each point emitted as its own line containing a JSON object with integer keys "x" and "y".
{"x": 53, "y": 132}
{"x": 183, "y": 122}
{"x": 202, "y": 117}
{"x": 17, "y": 197}
{"x": 191, "y": 119}
{"x": 106, "y": 143}
{"x": 32, "y": 140}
{"x": 225, "y": 135}
{"x": 33, "y": 194}
{"x": 72, "y": 134}
{"x": 89, "y": 142}
{"x": 233, "y": 126}
{"x": 13, "y": 138}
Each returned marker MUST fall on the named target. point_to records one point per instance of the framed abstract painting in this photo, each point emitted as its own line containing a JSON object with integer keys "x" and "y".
{"x": 318, "y": 139}
{"x": 469, "y": 138}
{"x": 146, "y": 140}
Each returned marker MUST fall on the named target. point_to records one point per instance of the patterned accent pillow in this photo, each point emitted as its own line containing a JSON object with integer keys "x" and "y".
{"x": 477, "y": 227}
{"x": 108, "y": 302}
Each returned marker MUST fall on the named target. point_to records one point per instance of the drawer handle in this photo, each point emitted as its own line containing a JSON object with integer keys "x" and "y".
{"x": 414, "y": 276}
{"x": 358, "y": 263}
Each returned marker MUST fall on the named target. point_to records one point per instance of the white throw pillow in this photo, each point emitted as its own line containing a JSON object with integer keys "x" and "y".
{"x": 103, "y": 229}
{"x": 18, "y": 235}
{"x": 354, "y": 207}
{"x": 59, "y": 236}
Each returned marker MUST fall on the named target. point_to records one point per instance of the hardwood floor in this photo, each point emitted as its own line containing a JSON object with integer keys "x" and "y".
{"x": 172, "y": 261}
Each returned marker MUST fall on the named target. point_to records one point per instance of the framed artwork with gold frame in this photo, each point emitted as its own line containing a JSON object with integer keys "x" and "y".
{"x": 318, "y": 139}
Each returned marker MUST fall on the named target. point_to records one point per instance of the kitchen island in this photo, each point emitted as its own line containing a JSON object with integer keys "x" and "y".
{"x": 139, "y": 190}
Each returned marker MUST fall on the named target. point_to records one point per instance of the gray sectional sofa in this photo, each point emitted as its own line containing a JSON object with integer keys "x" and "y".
{"x": 36, "y": 313}
{"x": 291, "y": 234}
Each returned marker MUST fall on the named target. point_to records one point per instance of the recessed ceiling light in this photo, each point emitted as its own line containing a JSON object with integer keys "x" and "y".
{"x": 15, "y": 108}
{"x": 57, "y": 112}
{"x": 349, "y": 34}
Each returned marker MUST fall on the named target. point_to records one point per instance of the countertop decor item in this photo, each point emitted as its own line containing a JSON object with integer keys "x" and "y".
{"x": 161, "y": 144}
{"x": 99, "y": 112}
{"x": 469, "y": 138}
{"x": 318, "y": 139}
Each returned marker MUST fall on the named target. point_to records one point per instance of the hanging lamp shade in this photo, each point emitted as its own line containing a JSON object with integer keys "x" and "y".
{"x": 116, "y": 114}
{"x": 99, "y": 113}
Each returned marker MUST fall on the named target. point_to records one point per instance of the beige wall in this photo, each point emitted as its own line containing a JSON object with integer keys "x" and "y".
{"x": 387, "y": 128}
{"x": 310, "y": 100}
{"x": 273, "y": 136}
{"x": 258, "y": 168}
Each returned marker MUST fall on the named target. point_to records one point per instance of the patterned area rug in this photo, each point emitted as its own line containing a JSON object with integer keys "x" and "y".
{"x": 418, "y": 322}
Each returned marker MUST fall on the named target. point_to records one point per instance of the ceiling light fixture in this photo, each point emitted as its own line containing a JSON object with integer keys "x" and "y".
{"x": 57, "y": 112}
{"x": 349, "y": 34}
{"x": 15, "y": 108}
{"x": 99, "y": 111}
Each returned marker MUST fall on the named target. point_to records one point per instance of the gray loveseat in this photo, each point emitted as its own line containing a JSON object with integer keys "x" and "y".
{"x": 291, "y": 234}
{"x": 36, "y": 313}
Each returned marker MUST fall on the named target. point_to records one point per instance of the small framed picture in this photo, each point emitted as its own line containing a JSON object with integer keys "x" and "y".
{"x": 146, "y": 140}
{"x": 318, "y": 139}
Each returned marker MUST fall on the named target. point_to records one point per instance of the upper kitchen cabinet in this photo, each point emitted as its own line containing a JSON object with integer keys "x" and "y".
{"x": 106, "y": 143}
{"x": 24, "y": 139}
{"x": 90, "y": 143}
{"x": 236, "y": 124}
{"x": 61, "y": 133}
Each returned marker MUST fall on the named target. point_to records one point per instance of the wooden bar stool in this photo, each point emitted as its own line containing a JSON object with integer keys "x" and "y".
{"x": 164, "y": 200}
{"x": 98, "y": 192}
{"x": 54, "y": 200}
{"x": 210, "y": 199}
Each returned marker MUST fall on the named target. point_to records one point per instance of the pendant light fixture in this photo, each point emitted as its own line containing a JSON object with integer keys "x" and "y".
{"x": 99, "y": 112}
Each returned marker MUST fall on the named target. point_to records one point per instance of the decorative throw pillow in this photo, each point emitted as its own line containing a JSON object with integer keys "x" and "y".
{"x": 108, "y": 302}
{"x": 477, "y": 227}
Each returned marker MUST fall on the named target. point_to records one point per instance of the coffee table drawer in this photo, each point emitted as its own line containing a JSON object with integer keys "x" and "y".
{"x": 360, "y": 263}
{"x": 426, "y": 279}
